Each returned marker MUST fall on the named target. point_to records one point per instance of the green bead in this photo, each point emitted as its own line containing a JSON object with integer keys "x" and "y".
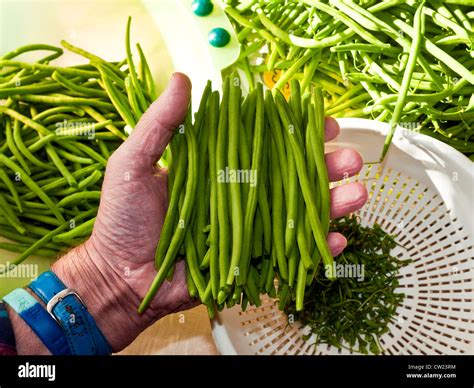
{"x": 202, "y": 7}
{"x": 219, "y": 37}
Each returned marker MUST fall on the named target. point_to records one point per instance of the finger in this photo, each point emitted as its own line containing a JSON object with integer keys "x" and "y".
{"x": 331, "y": 128}
{"x": 343, "y": 163}
{"x": 337, "y": 242}
{"x": 347, "y": 199}
{"x": 156, "y": 127}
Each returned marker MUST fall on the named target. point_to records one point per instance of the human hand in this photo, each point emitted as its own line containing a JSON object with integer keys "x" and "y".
{"x": 133, "y": 205}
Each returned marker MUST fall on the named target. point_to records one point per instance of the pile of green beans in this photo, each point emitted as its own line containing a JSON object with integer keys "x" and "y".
{"x": 405, "y": 62}
{"x": 249, "y": 198}
{"x": 58, "y": 128}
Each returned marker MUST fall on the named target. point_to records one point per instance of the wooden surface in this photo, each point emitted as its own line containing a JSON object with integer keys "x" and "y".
{"x": 184, "y": 333}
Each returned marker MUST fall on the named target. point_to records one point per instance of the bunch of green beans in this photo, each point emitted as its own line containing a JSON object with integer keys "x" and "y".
{"x": 58, "y": 128}
{"x": 405, "y": 62}
{"x": 249, "y": 198}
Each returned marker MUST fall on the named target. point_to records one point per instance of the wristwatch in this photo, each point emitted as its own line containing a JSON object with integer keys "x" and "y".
{"x": 66, "y": 307}
{"x": 45, "y": 327}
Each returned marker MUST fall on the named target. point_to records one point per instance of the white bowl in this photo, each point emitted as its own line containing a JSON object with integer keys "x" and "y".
{"x": 423, "y": 195}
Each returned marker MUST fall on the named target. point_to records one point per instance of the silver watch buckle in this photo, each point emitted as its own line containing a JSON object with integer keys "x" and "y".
{"x": 58, "y": 299}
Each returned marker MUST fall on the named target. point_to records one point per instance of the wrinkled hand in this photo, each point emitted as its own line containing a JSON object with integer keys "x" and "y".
{"x": 134, "y": 201}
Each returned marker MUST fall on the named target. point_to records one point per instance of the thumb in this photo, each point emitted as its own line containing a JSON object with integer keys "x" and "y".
{"x": 156, "y": 127}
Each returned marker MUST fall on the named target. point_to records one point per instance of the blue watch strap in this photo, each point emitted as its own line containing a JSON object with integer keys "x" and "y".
{"x": 66, "y": 307}
{"x": 45, "y": 327}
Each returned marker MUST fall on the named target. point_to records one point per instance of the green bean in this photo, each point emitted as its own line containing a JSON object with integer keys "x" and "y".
{"x": 221, "y": 296}
{"x": 93, "y": 58}
{"x": 316, "y": 126}
{"x": 26, "y": 120}
{"x": 277, "y": 137}
{"x": 32, "y": 47}
{"x": 368, "y": 48}
{"x": 270, "y": 280}
{"x": 95, "y": 177}
{"x": 248, "y": 119}
{"x": 104, "y": 150}
{"x": 192, "y": 262}
{"x": 59, "y": 100}
{"x": 418, "y": 28}
{"x": 251, "y": 287}
{"x": 293, "y": 261}
{"x": 20, "y": 248}
{"x": 461, "y": 17}
{"x": 277, "y": 211}
{"x": 118, "y": 101}
{"x": 78, "y": 197}
{"x": 11, "y": 187}
{"x": 393, "y": 33}
{"x": 147, "y": 76}
{"x": 239, "y": 18}
{"x": 59, "y": 182}
{"x": 53, "y": 155}
{"x": 289, "y": 177}
{"x": 10, "y": 215}
{"x": 77, "y": 146}
{"x": 100, "y": 118}
{"x": 23, "y": 77}
{"x": 81, "y": 128}
{"x": 192, "y": 290}
{"x": 31, "y": 229}
{"x": 234, "y": 187}
{"x": 169, "y": 224}
{"x": 284, "y": 295}
{"x": 222, "y": 192}
{"x": 207, "y": 298}
{"x": 50, "y": 69}
{"x": 266, "y": 263}
{"x": 43, "y": 87}
{"x": 257, "y": 237}
{"x": 202, "y": 128}
{"x": 295, "y": 101}
{"x": 118, "y": 80}
{"x": 42, "y": 218}
{"x": 286, "y": 76}
{"x": 60, "y": 109}
{"x": 263, "y": 205}
{"x": 28, "y": 204}
{"x": 20, "y": 189}
{"x": 32, "y": 185}
{"x": 206, "y": 261}
{"x": 13, "y": 148}
{"x": 132, "y": 71}
{"x": 213, "y": 114}
{"x": 291, "y": 201}
{"x": 13, "y": 235}
{"x": 55, "y": 119}
{"x": 83, "y": 230}
{"x": 301, "y": 238}
{"x": 305, "y": 42}
{"x": 313, "y": 177}
{"x": 68, "y": 84}
{"x": 132, "y": 100}
{"x": 318, "y": 233}
{"x": 244, "y": 158}
{"x": 185, "y": 214}
{"x": 252, "y": 199}
{"x": 300, "y": 286}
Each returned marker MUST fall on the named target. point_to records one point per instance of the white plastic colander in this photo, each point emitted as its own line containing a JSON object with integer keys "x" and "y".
{"x": 424, "y": 196}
